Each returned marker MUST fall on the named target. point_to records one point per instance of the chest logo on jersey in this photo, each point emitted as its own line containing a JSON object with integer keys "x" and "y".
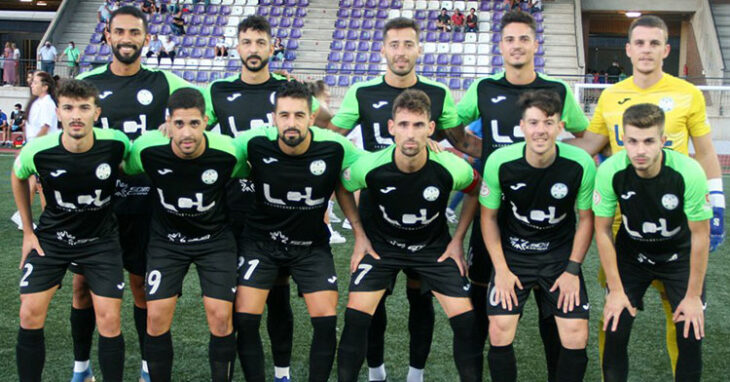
{"x": 380, "y": 104}
{"x": 431, "y": 193}
{"x": 498, "y": 99}
{"x": 57, "y": 173}
{"x": 559, "y": 190}
{"x": 538, "y": 216}
{"x": 317, "y": 167}
{"x": 387, "y": 189}
{"x": 233, "y": 97}
{"x": 517, "y": 186}
{"x": 670, "y": 201}
{"x": 628, "y": 195}
{"x": 209, "y": 176}
{"x": 94, "y": 200}
{"x": 164, "y": 171}
{"x": 103, "y": 171}
{"x": 623, "y": 101}
{"x": 666, "y": 104}
{"x": 144, "y": 97}
{"x": 269, "y": 160}
{"x": 106, "y": 93}
{"x": 650, "y": 227}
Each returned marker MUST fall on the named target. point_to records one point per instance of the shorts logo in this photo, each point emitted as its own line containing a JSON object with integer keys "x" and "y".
{"x": 559, "y": 190}
{"x": 586, "y": 306}
{"x": 596, "y": 198}
{"x": 466, "y": 287}
{"x": 332, "y": 279}
{"x": 144, "y": 97}
{"x": 120, "y": 286}
{"x": 670, "y": 201}
{"x": 673, "y": 258}
{"x": 431, "y": 193}
{"x": 484, "y": 191}
{"x": 209, "y": 176}
{"x": 666, "y": 104}
{"x": 317, "y": 167}
{"x": 493, "y": 296}
{"x": 103, "y": 171}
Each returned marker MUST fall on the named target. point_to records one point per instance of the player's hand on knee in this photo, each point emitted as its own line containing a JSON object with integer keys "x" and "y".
{"x": 361, "y": 248}
{"x": 30, "y": 242}
{"x": 717, "y": 228}
{"x": 504, "y": 284}
{"x": 569, "y": 286}
{"x": 616, "y": 302}
{"x": 692, "y": 312}
{"x": 455, "y": 251}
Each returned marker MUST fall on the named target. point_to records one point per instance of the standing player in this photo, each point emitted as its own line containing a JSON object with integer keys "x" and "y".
{"x": 663, "y": 235}
{"x": 189, "y": 171}
{"x": 78, "y": 168}
{"x": 493, "y": 99}
{"x": 684, "y": 106}
{"x": 410, "y": 188}
{"x": 294, "y": 167}
{"x": 134, "y": 99}
{"x": 530, "y": 194}
{"x": 369, "y": 104}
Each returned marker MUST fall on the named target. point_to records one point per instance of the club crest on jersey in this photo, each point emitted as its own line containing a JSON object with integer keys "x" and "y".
{"x": 431, "y": 193}
{"x": 559, "y": 190}
{"x": 670, "y": 201}
{"x": 348, "y": 174}
{"x": 103, "y": 171}
{"x": 484, "y": 191}
{"x": 144, "y": 97}
{"x": 209, "y": 176}
{"x": 666, "y": 104}
{"x": 317, "y": 167}
{"x": 596, "y": 197}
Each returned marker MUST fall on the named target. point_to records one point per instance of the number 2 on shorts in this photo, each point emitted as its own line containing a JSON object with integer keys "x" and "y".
{"x": 28, "y": 270}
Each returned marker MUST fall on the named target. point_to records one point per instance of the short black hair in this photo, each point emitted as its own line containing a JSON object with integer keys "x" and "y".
{"x": 18, "y": 105}
{"x": 186, "y": 98}
{"x": 644, "y": 116}
{"x": 79, "y": 90}
{"x": 255, "y": 22}
{"x": 546, "y": 100}
{"x": 400, "y": 23}
{"x": 518, "y": 16}
{"x": 413, "y": 100}
{"x": 650, "y": 21}
{"x": 294, "y": 89}
{"x": 131, "y": 11}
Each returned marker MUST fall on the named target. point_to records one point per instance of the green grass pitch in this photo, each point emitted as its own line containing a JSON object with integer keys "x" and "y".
{"x": 649, "y": 361}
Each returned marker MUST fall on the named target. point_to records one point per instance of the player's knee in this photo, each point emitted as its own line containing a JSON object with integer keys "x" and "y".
{"x": 32, "y": 316}
{"x": 500, "y": 329}
{"x": 220, "y": 321}
{"x": 81, "y": 293}
{"x": 574, "y": 334}
{"x": 158, "y": 322}
{"x": 108, "y": 321}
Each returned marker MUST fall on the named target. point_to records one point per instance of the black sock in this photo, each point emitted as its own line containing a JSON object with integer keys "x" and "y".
{"x": 689, "y": 360}
{"x": 324, "y": 344}
{"x": 30, "y": 354}
{"x": 111, "y": 358}
{"x": 376, "y": 335}
{"x": 140, "y": 323}
{"x": 352, "y": 345}
{"x": 467, "y": 353}
{"x": 250, "y": 349}
{"x": 420, "y": 326}
{"x": 82, "y": 332}
{"x": 550, "y": 342}
{"x": 571, "y": 365}
{"x": 615, "y": 353}
{"x": 502, "y": 363}
{"x": 478, "y": 296}
{"x": 159, "y": 356}
{"x": 222, "y": 355}
{"x": 280, "y": 324}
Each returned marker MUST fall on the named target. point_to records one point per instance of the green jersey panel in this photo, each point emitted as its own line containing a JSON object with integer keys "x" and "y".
{"x": 460, "y": 170}
{"x": 24, "y": 165}
{"x": 490, "y": 195}
{"x": 133, "y": 165}
{"x": 348, "y": 115}
{"x": 696, "y": 194}
{"x": 584, "y": 200}
{"x": 354, "y": 177}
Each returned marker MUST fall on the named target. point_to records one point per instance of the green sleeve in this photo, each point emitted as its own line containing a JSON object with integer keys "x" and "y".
{"x": 349, "y": 114}
{"x": 176, "y": 82}
{"x": 226, "y": 144}
{"x": 315, "y": 105}
{"x": 133, "y": 164}
{"x": 209, "y": 110}
{"x": 461, "y": 172}
{"x": 449, "y": 116}
{"x": 696, "y": 194}
{"x": 604, "y": 196}
{"x": 241, "y": 145}
{"x": 353, "y": 178}
{"x": 116, "y": 135}
{"x": 490, "y": 195}
{"x": 573, "y": 116}
{"x": 24, "y": 165}
{"x": 585, "y": 192}
{"x": 468, "y": 107}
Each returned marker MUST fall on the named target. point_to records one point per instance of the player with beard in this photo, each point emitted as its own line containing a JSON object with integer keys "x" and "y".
{"x": 239, "y": 103}
{"x": 134, "y": 100}
{"x": 369, "y": 104}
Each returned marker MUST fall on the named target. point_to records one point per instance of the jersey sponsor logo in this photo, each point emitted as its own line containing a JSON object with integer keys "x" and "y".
{"x": 596, "y": 197}
{"x": 498, "y": 99}
{"x": 484, "y": 191}
{"x": 164, "y": 171}
{"x": 538, "y": 215}
{"x": 282, "y": 238}
{"x": 525, "y": 245}
{"x": 82, "y": 200}
{"x": 650, "y": 227}
{"x": 517, "y": 186}
{"x": 666, "y": 104}
{"x": 380, "y": 104}
{"x": 177, "y": 237}
{"x": 504, "y": 139}
{"x": 623, "y": 101}
{"x": 186, "y": 203}
{"x": 387, "y": 189}
{"x": 209, "y": 176}
{"x": 559, "y": 190}
{"x": 293, "y": 196}
{"x": 58, "y": 173}
{"x": 129, "y": 127}
{"x": 410, "y": 219}
{"x": 431, "y": 193}
{"x": 317, "y": 167}
{"x": 144, "y": 97}
{"x": 233, "y": 97}
{"x": 105, "y": 94}
{"x": 628, "y": 195}
{"x": 124, "y": 190}
{"x": 70, "y": 239}
{"x": 269, "y": 160}
{"x": 103, "y": 171}
{"x": 670, "y": 201}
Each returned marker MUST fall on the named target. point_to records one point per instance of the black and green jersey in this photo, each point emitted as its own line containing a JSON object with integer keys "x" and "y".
{"x": 494, "y": 100}
{"x": 405, "y": 212}
{"x": 191, "y": 192}
{"x": 370, "y": 104}
{"x": 654, "y": 212}
{"x": 292, "y": 191}
{"x": 78, "y": 186}
{"x": 537, "y": 205}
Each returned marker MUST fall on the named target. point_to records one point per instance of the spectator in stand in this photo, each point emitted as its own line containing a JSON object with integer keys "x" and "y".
{"x": 48, "y": 56}
{"x": 168, "y": 48}
{"x": 457, "y": 19}
{"x": 443, "y": 22}
{"x": 535, "y": 6}
{"x": 10, "y": 66}
{"x": 472, "y": 21}
{"x": 178, "y": 23}
{"x": 117, "y": 5}
{"x": 4, "y": 126}
{"x": 149, "y": 7}
{"x": 175, "y": 8}
{"x": 104, "y": 12}
{"x": 154, "y": 48}
{"x": 207, "y": 2}
{"x": 614, "y": 72}
{"x": 220, "y": 48}
{"x": 73, "y": 57}
{"x": 278, "y": 50}
{"x": 16, "y": 123}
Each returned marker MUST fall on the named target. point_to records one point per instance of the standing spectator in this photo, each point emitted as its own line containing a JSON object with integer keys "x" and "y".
{"x": 149, "y": 7}
{"x": 443, "y": 22}
{"x": 472, "y": 21}
{"x": 104, "y": 11}
{"x": 17, "y": 123}
{"x": 73, "y": 58}
{"x": 154, "y": 48}
{"x": 2, "y": 67}
{"x": 178, "y": 23}
{"x": 278, "y": 50}
{"x": 457, "y": 19}
{"x": 168, "y": 48}
{"x": 48, "y": 55}
{"x": 10, "y": 66}
{"x": 220, "y": 48}
{"x": 614, "y": 72}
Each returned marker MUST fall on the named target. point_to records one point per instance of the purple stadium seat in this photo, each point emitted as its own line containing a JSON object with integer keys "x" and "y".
{"x": 332, "y": 68}
{"x": 285, "y": 23}
{"x": 383, "y": 4}
{"x": 443, "y": 81}
{"x": 497, "y": 61}
{"x": 264, "y": 2}
{"x": 336, "y": 45}
{"x": 377, "y": 46}
{"x": 193, "y": 30}
{"x": 356, "y": 13}
{"x": 201, "y": 42}
{"x": 189, "y": 76}
{"x": 467, "y": 83}
{"x": 365, "y": 35}
{"x": 456, "y": 71}
{"x": 209, "y": 53}
{"x": 374, "y": 57}
{"x": 166, "y": 30}
{"x": 95, "y": 38}
{"x": 278, "y": 2}
{"x": 382, "y": 14}
{"x": 182, "y": 53}
{"x": 226, "y": 10}
{"x": 213, "y": 9}
{"x": 303, "y": 3}
{"x": 496, "y": 37}
{"x": 496, "y": 27}
{"x": 274, "y": 65}
{"x": 296, "y": 33}
{"x": 378, "y": 34}
{"x": 343, "y": 81}
{"x": 500, "y": 7}
{"x": 431, "y": 36}
{"x": 429, "y": 59}
{"x": 373, "y": 69}
{"x": 445, "y": 37}
{"x": 442, "y": 71}
{"x": 454, "y": 84}
{"x": 540, "y": 50}
{"x": 202, "y": 77}
{"x": 540, "y": 61}
{"x": 348, "y": 57}
{"x": 290, "y": 55}
{"x": 443, "y": 59}
{"x": 334, "y": 57}
{"x": 340, "y": 24}
{"x": 90, "y": 50}
{"x": 538, "y": 16}
{"x": 356, "y": 79}
{"x": 233, "y": 65}
{"x": 428, "y": 71}
{"x": 358, "y": 4}
{"x": 345, "y": 3}
{"x": 350, "y": 46}
{"x": 363, "y": 46}
{"x": 330, "y": 80}
{"x": 419, "y": 60}
{"x": 497, "y": 17}
{"x": 346, "y": 68}
{"x": 354, "y": 24}
{"x": 343, "y": 13}
{"x": 282, "y": 33}
{"x": 212, "y": 42}
{"x": 485, "y": 6}
{"x": 214, "y": 76}
{"x": 301, "y": 12}
{"x": 206, "y": 31}
{"x": 396, "y": 4}
{"x": 371, "y": 4}
{"x": 495, "y": 49}
{"x": 99, "y": 27}
{"x": 292, "y": 45}
{"x": 352, "y": 35}
{"x": 431, "y": 26}
{"x": 367, "y": 24}
{"x": 288, "y": 66}
{"x": 178, "y": 73}
{"x": 101, "y": 59}
{"x": 433, "y": 15}
{"x": 540, "y": 28}
{"x": 459, "y": 37}
{"x": 273, "y": 22}
{"x": 360, "y": 69}
{"x": 289, "y": 12}
{"x": 221, "y": 21}
{"x": 154, "y": 29}
{"x": 420, "y": 14}
{"x": 198, "y": 9}
{"x": 275, "y": 12}
{"x": 209, "y": 20}
{"x": 338, "y": 34}
{"x": 457, "y": 60}
{"x": 291, "y": 3}
{"x": 368, "y": 14}
{"x": 540, "y": 70}
{"x": 217, "y": 31}
{"x": 196, "y": 53}
{"x": 540, "y": 38}
{"x": 188, "y": 41}
{"x": 196, "y": 20}
{"x": 262, "y": 11}
{"x": 361, "y": 57}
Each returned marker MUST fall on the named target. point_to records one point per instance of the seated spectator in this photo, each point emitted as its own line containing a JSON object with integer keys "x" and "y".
{"x": 278, "y": 50}
{"x": 104, "y": 12}
{"x": 535, "y": 6}
{"x": 117, "y": 5}
{"x": 472, "y": 21}
{"x": 207, "y": 2}
{"x": 443, "y": 22}
{"x": 168, "y": 48}
{"x": 4, "y": 127}
{"x": 154, "y": 48}
{"x": 149, "y": 7}
{"x": 220, "y": 49}
{"x": 457, "y": 19}
{"x": 178, "y": 23}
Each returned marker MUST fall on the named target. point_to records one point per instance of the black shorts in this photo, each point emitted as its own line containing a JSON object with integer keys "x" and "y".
{"x": 534, "y": 274}
{"x": 100, "y": 262}
{"x": 480, "y": 265}
{"x": 443, "y": 277}
{"x": 215, "y": 260}
{"x": 637, "y": 272}
{"x": 261, "y": 262}
{"x": 134, "y": 234}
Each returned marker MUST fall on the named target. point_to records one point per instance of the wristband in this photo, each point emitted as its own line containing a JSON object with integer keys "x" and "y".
{"x": 573, "y": 267}
{"x": 717, "y": 198}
